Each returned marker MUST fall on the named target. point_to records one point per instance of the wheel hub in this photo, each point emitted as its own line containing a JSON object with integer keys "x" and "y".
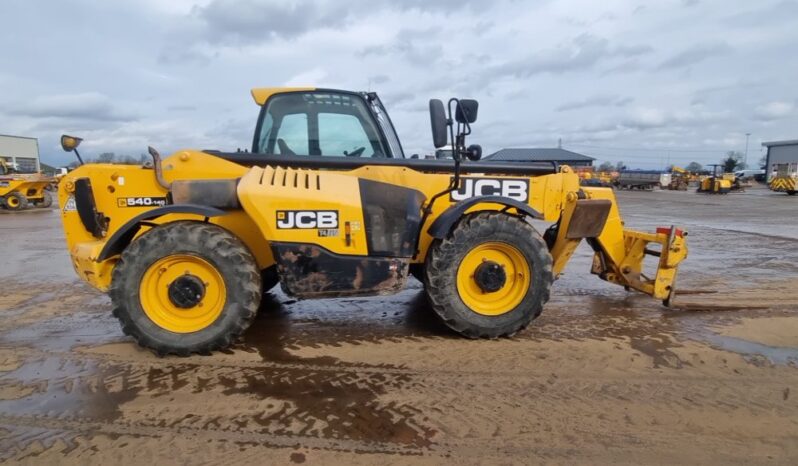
{"x": 490, "y": 276}
{"x": 186, "y": 291}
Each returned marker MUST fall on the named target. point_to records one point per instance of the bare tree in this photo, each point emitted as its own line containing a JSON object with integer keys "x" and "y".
{"x": 606, "y": 167}
{"x": 694, "y": 167}
{"x": 732, "y": 161}
{"x": 106, "y": 157}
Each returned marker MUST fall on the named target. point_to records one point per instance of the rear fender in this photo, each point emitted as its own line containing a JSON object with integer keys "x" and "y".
{"x": 125, "y": 234}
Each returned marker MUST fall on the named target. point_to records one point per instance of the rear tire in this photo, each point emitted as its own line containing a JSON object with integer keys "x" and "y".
{"x": 525, "y": 262}
{"x": 47, "y": 200}
{"x": 792, "y": 193}
{"x": 226, "y": 289}
{"x": 16, "y": 201}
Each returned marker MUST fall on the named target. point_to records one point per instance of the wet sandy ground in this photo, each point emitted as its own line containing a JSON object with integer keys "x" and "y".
{"x": 602, "y": 377}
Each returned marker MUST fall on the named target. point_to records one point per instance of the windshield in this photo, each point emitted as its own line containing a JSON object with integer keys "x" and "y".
{"x": 387, "y": 127}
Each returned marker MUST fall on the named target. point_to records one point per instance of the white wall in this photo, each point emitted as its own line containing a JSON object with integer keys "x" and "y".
{"x": 781, "y": 154}
{"x": 20, "y": 150}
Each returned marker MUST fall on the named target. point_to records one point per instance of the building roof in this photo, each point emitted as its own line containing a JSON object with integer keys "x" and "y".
{"x": 18, "y": 137}
{"x": 538, "y": 155}
{"x": 792, "y": 142}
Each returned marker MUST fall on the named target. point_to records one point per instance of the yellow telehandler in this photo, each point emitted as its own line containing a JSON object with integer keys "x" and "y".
{"x": 326, "y": 204}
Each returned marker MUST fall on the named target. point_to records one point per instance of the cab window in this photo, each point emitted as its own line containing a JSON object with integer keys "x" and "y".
{"x": 318, "y": 123}
{"x": 293, "y": 132}
{"x": 342, "y": 134}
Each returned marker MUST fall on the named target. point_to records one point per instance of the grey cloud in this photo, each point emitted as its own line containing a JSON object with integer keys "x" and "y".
{"x": 632, "y": 50}
{"x": 775, "y": 110}
{"x": 651, "y": 118}
{"x": 394, "y": 99}
{"x": 182, "y": 108}
{"x": 647, "y": 119}
{"x": 85, "y": 106}
{"x": 626, "y": 66}
{"x": 583, "y": 52}
{"x": 238, "y": 21}
{"x": 769, "y": 14}
{"x": 415, "y": 45}
{"x": 596, "y": 101}
{"x": 379, "y": 79}
{"x": 695, "y": 54}
{"x": 181, "y": 52}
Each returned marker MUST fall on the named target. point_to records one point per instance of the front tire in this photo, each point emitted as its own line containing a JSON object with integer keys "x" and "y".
{"x": 186, "y": 287}
{"x": 16, "y": 201}
{"x": 490, "y": 276}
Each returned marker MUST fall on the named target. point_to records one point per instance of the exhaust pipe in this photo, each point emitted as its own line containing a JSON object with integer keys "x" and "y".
{"x": 156, "y": 164}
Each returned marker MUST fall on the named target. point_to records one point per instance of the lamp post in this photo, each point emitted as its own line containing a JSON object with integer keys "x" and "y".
{"x": 745, "y": 157}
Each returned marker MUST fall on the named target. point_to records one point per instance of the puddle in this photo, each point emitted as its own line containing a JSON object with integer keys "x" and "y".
{"x": 755, "y": 351}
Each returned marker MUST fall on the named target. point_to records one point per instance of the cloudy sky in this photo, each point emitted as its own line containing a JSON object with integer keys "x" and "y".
{"x": 638, "y": 81}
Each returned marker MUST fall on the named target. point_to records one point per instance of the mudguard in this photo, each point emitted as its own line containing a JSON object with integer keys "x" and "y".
{"x": 443, "y": 224}
{"x": 125, "y": 234}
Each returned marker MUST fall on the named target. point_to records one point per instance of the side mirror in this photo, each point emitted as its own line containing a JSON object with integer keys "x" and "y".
{"x": 438, "y": 120}
{"x": 474, "y": 152}
{"x": 69, "y": 143}
{"x": 466, "y": 111}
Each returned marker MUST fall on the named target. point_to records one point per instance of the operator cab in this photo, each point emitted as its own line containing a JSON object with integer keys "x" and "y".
{"x": 333, "y": 123}
{"x": 325, "y": 123}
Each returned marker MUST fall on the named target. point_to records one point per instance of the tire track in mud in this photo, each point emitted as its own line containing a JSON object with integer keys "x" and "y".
{"x": 21, "y": 431}
{"x": 288, "y": 402}
{"x": 440, "y": 406}
{"x": 96, "y": 386}
{"x": 285, "y": 400}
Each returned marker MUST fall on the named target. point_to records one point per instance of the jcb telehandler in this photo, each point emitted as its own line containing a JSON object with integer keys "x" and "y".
{"x": 327, "y": 204}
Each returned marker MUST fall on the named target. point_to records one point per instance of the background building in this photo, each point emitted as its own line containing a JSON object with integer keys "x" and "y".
{"x": 561, "y": 156}
{"x": 21, "y": 151}
{"x": 780, "y": 153}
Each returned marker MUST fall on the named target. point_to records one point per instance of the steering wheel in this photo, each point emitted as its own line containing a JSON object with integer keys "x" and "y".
{"x": 355, "y": 153}
{"x": 284, "y": 149}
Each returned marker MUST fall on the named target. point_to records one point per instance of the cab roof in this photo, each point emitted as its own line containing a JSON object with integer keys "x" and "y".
{"x": 262, "y": 94}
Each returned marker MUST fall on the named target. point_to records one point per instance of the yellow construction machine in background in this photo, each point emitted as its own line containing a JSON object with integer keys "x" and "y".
{"x": 716, "y": 183}
{"x": 680, "y": 179}
{"x": 18, "y": 191}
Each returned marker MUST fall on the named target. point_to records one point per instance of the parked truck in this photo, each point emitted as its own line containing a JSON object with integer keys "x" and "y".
{"x": 642, "y": 179}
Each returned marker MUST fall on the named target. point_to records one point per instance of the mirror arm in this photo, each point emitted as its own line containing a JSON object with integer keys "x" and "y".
{"x": 77, "y": 154}
{"x": 463, "y": 130}
{"x": 457, "y": 144}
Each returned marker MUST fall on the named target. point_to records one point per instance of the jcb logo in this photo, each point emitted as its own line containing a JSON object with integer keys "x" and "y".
{"x": 307, "y": 219}
{"x": 514, "y": 188}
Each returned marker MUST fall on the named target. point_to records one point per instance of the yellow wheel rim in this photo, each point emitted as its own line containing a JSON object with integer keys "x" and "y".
{"x": 13, "y": 202}
{"x": 160, "y": 308}
{"x": 511, "y": 293}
